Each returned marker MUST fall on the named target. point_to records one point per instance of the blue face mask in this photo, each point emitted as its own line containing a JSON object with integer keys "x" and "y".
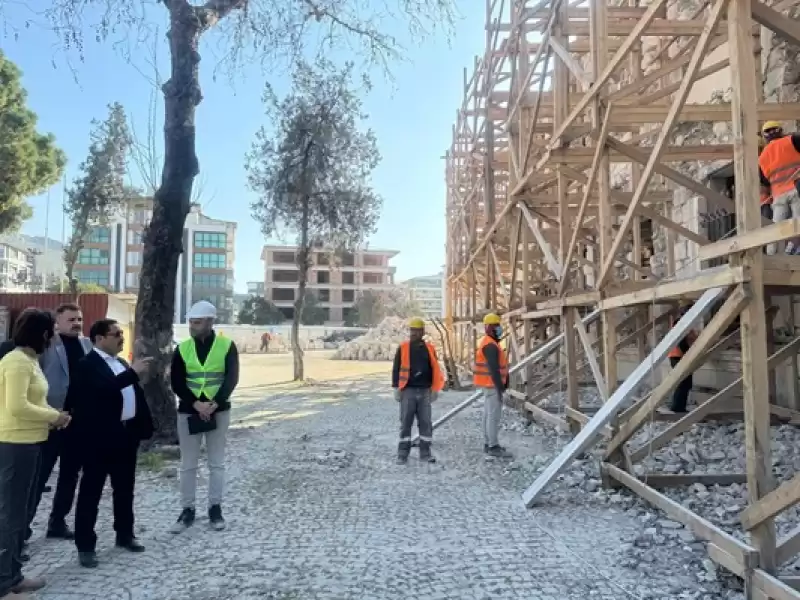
{"x": 498, "y": 331}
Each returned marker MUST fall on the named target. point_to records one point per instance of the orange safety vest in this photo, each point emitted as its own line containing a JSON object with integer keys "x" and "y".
{"x": 405, "y": 367}
{"x": 676, "y": 352}
{"x": 765, "y": 198}
{"x": 481, "y": 376}
{"x": 780, "y": 163}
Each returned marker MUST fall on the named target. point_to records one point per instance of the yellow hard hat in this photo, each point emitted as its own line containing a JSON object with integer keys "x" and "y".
{"x": 491, "y": 319}
{"x": 771, "y": 125}
{"x": 416, "y": 323}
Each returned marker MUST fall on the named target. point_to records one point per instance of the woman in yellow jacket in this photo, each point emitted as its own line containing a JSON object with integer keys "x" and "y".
{"x": 25, "y": 422}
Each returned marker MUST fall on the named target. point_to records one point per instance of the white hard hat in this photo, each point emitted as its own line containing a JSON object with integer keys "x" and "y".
{"x": 202, "y": 310}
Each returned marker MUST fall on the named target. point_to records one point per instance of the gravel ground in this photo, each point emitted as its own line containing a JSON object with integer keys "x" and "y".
{"x": 317, "y": 510}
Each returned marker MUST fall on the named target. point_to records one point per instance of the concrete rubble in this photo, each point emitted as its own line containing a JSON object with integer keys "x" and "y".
{"x": 708, "y": 448}
{"x": 381, "y": 342}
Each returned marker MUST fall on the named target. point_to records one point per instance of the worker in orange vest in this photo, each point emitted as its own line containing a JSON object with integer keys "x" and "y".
{"x": 417, "y": 381}
{"x": 779, "y": 174}
{"x": 491, "y": 374}
{"x": 680, "y": 396}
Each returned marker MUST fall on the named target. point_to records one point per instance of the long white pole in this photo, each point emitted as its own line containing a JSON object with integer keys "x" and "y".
{"x": 63, "y": 229}
{"x": 46, "y": 239}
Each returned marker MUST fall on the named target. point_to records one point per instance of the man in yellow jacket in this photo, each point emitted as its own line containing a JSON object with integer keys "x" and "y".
{"x": 491, "y": 374}
{"x": 417, "y": 381}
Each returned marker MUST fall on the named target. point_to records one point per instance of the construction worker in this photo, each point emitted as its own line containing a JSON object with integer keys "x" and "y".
{"x": 779, "y": 172}
{"x": 205, "y": 372}
{"x": 491, "y": 374}
{"x": 417, "y": 381}
{"x": 680, "y": 396}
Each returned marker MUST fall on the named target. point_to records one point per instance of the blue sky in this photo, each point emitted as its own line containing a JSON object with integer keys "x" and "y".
{"x": 411, "y": 115}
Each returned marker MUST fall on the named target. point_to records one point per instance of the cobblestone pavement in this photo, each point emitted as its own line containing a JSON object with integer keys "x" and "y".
{"x": 317, "y": 510}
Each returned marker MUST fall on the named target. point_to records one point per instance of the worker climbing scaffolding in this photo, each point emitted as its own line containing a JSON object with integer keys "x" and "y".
{"x": 779, "y": 173}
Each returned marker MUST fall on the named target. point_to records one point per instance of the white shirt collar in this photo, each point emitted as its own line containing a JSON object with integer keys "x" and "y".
{"x": 104, "y": 355}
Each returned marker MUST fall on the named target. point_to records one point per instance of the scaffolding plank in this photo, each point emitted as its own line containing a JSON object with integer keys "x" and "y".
{"x": 609, "y": 410}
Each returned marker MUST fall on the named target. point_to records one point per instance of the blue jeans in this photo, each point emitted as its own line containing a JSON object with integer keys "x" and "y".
{"x": 19, "y": 465}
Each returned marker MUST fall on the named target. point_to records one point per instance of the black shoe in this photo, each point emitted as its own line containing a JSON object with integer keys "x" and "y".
{"x": 59, "y": 530}
{"x": 185, "y": 520}
{"x": 88, "y": 560}
{"x": 425, "y": 453}
{"x": 130, "y": 544}
{"x": 402, "y": 459}
{"x": 215, "y": 518}
{"x": 498, "y": 452}
{"x": 47, "y": 489}
{"x": 24, "y": 557}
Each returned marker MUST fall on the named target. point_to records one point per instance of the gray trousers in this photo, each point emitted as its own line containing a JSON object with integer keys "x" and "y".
{"x": 19, "y": 466}
{"x": 416, "y": 403}
{"x": 190, "y": 457}
{"x": 492, "y": 414}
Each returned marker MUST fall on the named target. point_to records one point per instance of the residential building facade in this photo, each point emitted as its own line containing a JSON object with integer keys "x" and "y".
{"x": 336, "y": 280}
{"x": 17, "y": 268}
{"x": 427, "y": 293}
{"x": 112, "y": 258}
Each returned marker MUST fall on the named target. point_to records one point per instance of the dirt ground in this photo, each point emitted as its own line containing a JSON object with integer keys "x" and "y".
{"x": 259, "y": 370}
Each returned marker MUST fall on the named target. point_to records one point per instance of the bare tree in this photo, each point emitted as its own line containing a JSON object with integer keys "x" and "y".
{"x": 314, "y": 179}
{"x": 269, "y": 31}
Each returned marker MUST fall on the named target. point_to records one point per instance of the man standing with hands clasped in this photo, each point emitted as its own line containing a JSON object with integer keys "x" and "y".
{"x": 205, "y": 371}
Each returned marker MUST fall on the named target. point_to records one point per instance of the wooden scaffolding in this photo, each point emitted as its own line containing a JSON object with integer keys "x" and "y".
{"x": 578, "y": 133}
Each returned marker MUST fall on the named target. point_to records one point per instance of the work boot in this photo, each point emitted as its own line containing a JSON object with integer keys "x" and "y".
{"x": 425, "y": 452}
{"x": 184, "y": 521}
{"x": 498, "y": 452}
{"x": 215, "y": 518}
{"x": 403, "y": 449}
{"x": 58, "y": 529}
{"x": 88, "y": 560}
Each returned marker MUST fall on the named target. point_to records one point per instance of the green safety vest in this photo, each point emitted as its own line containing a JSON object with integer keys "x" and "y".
{"x": 205, "y": 378}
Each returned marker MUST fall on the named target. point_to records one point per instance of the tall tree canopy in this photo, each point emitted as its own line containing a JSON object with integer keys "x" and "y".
{"x": 313, "y": 178}
{"x": 100, "y": 189}
{"x": 30, "y": 162}
{"x": 259, "y": 311}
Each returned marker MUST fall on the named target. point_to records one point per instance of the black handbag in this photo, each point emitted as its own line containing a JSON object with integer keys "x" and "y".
{"x": 198, "y": 425}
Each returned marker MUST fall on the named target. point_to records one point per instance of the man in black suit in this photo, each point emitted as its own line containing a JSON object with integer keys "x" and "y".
{"x": 110, "y": 419}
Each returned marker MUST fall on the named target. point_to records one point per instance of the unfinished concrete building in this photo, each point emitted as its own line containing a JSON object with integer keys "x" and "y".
{"x": 604, "y": 170}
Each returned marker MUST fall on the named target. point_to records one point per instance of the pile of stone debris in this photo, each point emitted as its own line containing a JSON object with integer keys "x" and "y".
{"x": 381, "y": 342}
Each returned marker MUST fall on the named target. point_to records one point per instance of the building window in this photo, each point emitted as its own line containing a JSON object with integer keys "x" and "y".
{"x": 324, "y": 295}
{"x": 133, "y": 259}
{"x": 95, "y": 277}
{"x": 284, "y": 258}
{"x": 209, "y": 280}
{"x": 203, "y": 260}
{"x": 135, "y": 238}
{"x": 132, "y": 279}
{"x": 348, "y": 278}
{"x": 99, "y": 235}
{"x": 323, "y": 260}
{"x": 370, "y": 260}
{"x": 206, "y": 239}
{"x": 285, "y": 276}
{"x": 288, "y": 312}
{"x": 348, "y": 260}
{"x": 93, "y": 256}
{"x": 348, "y": 295}
{"x": 323, "y": 277}
{"x": 326, "y": 313}
{"x": 375, "y": 278}
{"x": 142, "y": 216}
{"x": 283, "y": 294}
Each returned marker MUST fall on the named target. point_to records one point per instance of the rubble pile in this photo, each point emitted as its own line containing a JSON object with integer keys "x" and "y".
{"x": 708, "y": 448}
{"x": 381, "y": 341}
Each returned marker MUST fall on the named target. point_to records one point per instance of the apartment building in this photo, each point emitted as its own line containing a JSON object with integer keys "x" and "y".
{"x": 17, "y": 268}
{"x": 336, "y": 281}
{"x": 428, "y": 293}
{"x": 112, "y": 257}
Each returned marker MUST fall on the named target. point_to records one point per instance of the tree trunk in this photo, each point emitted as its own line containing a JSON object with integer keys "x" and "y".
{"x": 300, "y": 301}
{"x": 163, "y": 239}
